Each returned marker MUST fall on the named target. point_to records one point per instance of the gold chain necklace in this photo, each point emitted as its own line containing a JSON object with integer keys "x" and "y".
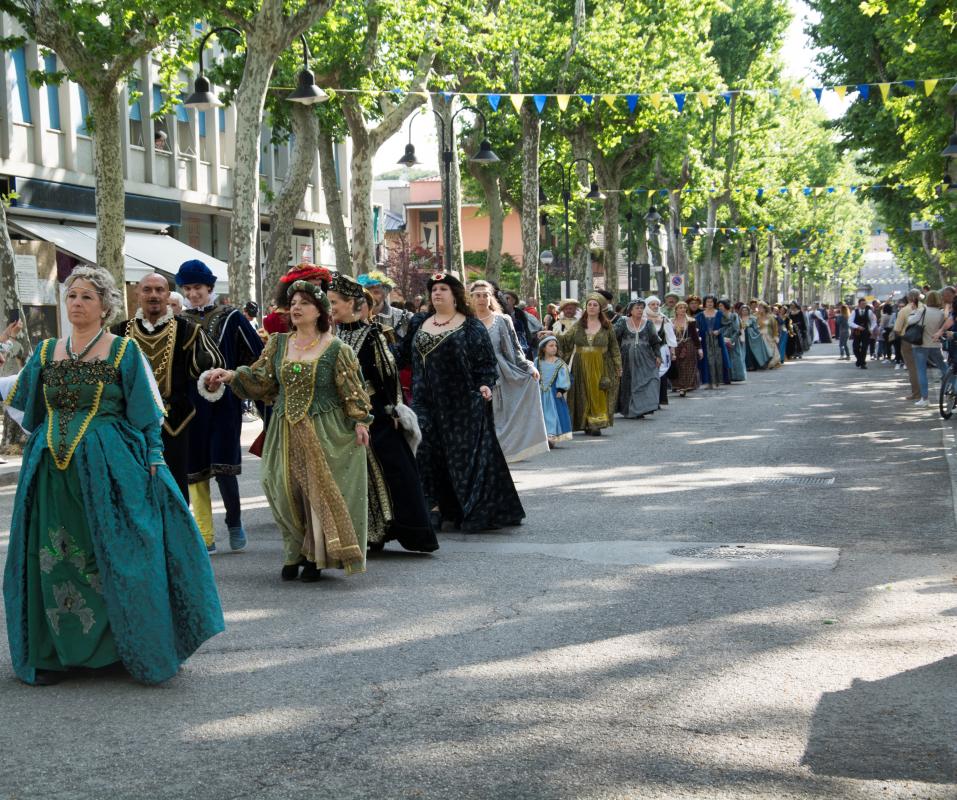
{"x": 302, "y": 348}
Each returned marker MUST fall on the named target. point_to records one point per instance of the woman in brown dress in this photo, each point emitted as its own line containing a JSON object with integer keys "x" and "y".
{"x": 684, "y": 369}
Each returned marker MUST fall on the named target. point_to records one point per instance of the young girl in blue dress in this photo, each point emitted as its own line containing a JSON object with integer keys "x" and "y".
{"x": 555, "y": 380}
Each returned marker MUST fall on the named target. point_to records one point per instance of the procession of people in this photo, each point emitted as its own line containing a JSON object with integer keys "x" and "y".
{"x": 379, "y": 425}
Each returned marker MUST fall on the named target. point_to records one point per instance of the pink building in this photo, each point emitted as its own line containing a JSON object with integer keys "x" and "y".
{"x": 423, "y": 214}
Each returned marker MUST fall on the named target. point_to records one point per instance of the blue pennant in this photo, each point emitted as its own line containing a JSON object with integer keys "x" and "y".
{"x": 447, "y": 96}
{"x": 760, "y": 192}
{"x": 680, "y": 101}
{"x": 632, "y": 102}
{"x": 539, "y": 101}
{"x": 817, "y": 93}
{"x": 494, "y": 100}
{"x": 727, "y": 98}
{"x": 865, "y": 90}
{"x": 587, "y": 98}
{"x": 910, "y": 84}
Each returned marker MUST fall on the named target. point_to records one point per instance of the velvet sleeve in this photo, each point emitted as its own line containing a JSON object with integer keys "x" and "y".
{"x": 259, "y": 380}
{"x": 403, "y": 350}
{"x": 27, "y": 393}
{"x": 144, "y": 406}
{"x": 480, "y": 354}
{"x": 351, "y": 387}
{"x": 248, "y": 344}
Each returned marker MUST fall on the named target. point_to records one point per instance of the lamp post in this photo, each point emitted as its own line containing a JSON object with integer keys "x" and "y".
{"x": 653, "y": 223}
{"x": 483, "y": 156}
{"x": 546, "y": 258}
{"x": 593, "y": 194}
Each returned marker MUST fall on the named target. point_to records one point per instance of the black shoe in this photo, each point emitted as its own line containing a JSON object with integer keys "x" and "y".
{"x": 310, "y": 573}
{"x": 48, "y": 677}
{"x": 376, "y": 547}
{"x": 290, "y": 572}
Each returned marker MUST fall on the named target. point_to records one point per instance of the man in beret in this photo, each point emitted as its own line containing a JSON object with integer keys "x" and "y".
{"x": 214, "y": 449}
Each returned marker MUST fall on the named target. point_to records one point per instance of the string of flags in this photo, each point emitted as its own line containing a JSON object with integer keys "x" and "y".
{"x": 686, "y": 229}
{"x": 764, "y": 191}
{"x": 680, "y": 100}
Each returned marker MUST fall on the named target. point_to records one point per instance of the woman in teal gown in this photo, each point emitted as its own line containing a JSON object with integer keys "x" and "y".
{"x": 105, "y": 563}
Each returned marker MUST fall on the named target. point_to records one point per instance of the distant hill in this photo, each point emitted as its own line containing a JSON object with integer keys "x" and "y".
{"x": 406, "y": 174}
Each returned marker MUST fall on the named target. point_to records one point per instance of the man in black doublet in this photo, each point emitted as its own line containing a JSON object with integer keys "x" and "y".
{"x": 178, "y": 351}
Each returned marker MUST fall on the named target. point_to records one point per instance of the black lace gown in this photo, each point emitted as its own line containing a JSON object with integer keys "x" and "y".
{"x": 460, "y": 461}
{"x": 409, "y": 522}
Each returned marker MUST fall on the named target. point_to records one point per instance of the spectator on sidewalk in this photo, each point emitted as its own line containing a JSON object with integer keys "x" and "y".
{"x": 931, "y": 318}
{"x": 907, "y": 349}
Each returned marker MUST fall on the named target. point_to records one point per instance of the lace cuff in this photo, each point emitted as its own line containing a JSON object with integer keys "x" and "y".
{"x": 205, "y": 393}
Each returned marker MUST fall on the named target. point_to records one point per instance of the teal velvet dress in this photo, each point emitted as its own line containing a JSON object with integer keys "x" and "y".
{"x": 105, "y": 562}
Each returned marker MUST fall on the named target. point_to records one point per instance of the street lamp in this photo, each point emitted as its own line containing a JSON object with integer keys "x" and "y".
{"x": 485, "y": 155}
{"x": 653, "y": 222}
{"x": 203, "y": 98}
{"x": 594, "y": 193}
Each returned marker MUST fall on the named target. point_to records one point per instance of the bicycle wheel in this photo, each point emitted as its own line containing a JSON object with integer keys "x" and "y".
{"x": 948, "y": 395}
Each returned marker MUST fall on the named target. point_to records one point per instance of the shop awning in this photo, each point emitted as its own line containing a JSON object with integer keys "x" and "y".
{"x": 143, "y": 253}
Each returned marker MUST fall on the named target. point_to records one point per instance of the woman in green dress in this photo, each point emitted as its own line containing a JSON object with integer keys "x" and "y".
{"x": 105, "y": 562}
{"x": 314, "y": 461}
{"x": 590, "y": 346}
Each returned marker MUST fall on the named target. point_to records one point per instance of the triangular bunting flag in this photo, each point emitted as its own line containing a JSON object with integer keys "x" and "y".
{"x": 655, "y": 98}
{"x": 818, "y": 190}
{"x": 632, "y": 102}
{"x": 539, "y": 101}
{"x": 562, "y": 101}
{"x": 818, "y": 91}
{"x": 517, "y": 100}
{"x": 679, "y": 101}
{"x": 424, "y": 95}
{"x": 609, "y": 99}
{"x": 840, "y": 91}
{"x": 447, "y": 96}
{"x": 929, "y": 86}
{"x": 807, "y": 193}
{"x": 910, "y": 84}
{"x": 727, "y": 98}
{"x": 760, "y": 192}
{"x": 472, "y": 98}
{"x": 494, "y": 100}
{"x": 587, "y": 98}
{"x": 705, "y": 99}
{"x": 865, "y": 91}
{"x": 684, "y": 231}
{"x": 854, "y": 189}
{"x": 885, "y": 90}
{"x": 796, "y": 92}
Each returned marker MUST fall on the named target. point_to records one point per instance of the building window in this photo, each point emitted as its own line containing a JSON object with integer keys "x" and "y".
{"x": 136, "y": 115}
{"x": 184, "y": 129}
{"x": 21, "y": 98}
{"x": 160, "y": 124}
{"x": 84, "y": 112}
{"x": 53, "y": 92}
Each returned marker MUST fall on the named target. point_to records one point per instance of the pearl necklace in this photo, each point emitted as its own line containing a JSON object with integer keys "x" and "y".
{"x": 82, "y": 354}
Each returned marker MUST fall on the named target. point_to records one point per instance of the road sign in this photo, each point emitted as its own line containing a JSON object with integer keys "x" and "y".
{"x": 677, "y": 283}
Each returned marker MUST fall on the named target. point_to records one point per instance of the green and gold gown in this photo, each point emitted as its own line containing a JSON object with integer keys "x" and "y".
{"x": 105, "y": 562}
{"x": 314, "y": 473}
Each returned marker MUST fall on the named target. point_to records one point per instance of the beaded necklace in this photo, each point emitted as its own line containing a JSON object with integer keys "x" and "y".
{"x": 82, "y": 354}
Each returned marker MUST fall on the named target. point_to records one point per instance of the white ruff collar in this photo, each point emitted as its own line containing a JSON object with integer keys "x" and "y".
{"x": 152, "y": 326}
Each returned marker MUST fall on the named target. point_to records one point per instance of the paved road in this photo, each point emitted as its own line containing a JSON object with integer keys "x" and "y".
{"x": 577, "y": 656}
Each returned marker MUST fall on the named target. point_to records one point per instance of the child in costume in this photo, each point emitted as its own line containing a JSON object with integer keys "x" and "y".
{"x": 555, "y": 382}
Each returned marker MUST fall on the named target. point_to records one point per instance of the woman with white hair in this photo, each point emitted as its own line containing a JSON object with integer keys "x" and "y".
{"x": 105, "y": 563}
{"x": 666, "y": 333}
{"x": 516, "y": 405}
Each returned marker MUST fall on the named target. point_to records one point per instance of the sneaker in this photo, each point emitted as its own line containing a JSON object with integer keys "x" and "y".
{"x": 237, "y": 539}
{"x": 921, "y": 403}
{"x": 211, "y": 549}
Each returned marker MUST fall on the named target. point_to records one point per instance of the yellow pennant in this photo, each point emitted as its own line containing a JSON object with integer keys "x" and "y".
{"x": 684, "y": 231}
{"x": 840, "y": 91}
{"x": 863, "y": 187}
{"x": 562, "y": 101}
{"x": 517, "y": 101}
{"x": 651, "y": 193}
{"x": 929, "y": 86}
{"x": 705, "y": 99}
{"x": 609, "y": 99}
{"x": 885, "y": 90}
{"x": 796, "y": 92}
{"x": 722, "y": 229}
{"x": 472, "y": 98}
{"x": 818, "y": 190}
{"x": 655, "y": 98}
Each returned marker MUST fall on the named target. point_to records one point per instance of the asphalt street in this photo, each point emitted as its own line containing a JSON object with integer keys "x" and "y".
{"x": 750, "y": 595}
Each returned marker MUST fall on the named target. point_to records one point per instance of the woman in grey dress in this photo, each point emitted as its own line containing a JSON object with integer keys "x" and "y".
{"x": 516, "y": 400}
{"x": 638, "y": 393}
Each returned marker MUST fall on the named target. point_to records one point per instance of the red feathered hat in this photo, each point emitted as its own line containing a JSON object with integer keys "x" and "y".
{"x": 307, "y": 272}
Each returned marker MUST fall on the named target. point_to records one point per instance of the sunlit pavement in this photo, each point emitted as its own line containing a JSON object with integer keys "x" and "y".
{"x": 750, "y": 595}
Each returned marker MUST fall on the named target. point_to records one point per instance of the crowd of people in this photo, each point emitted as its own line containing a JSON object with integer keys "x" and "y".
{"x": 380, "y": 423}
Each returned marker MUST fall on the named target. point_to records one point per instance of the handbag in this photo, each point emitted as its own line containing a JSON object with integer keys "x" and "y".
{"x": 914, "y": 333}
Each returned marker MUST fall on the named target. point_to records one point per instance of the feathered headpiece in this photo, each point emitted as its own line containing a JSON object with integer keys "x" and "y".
{"x": 307, "y": 272}
{"x": 376, "y": 278}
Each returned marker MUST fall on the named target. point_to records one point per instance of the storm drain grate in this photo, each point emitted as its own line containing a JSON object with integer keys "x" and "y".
{"x": 795, "y": 480}
{"x": 726, "y": 552}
